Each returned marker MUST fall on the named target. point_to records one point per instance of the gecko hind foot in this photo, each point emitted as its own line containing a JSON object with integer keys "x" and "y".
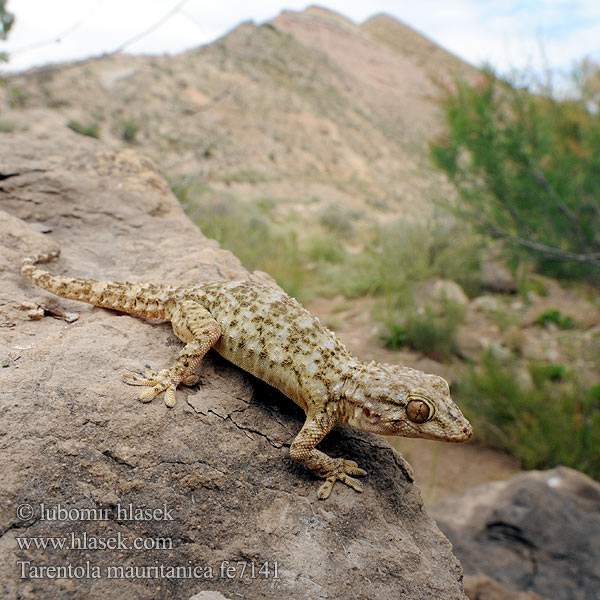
{"x": 341, "y": 472}
{"x": 152, "y": 377}
{"x": 158, "y": 381}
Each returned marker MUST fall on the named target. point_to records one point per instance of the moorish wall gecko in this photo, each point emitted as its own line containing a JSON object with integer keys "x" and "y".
{"x": 269, "y": 334}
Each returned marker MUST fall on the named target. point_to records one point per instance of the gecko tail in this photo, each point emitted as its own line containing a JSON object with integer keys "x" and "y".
{"x": 142, "y": 299}
{"x": 29, "y": 269}
{"x": 30, "y": 261}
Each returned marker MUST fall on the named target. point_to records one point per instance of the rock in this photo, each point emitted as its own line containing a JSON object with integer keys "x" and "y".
{"x": 514, "y": 338}
{"x": 523, "y": 378}
{"x": 480, "y": 587}
{"x": 475, "y": 338}
{"x": 537, "y": 532}
{"x": 446, "y": 290}
{"x": 499, "y": 352}
{"x": 496, "y": 277}
{"x": 471, "y": 343}
{"x": 485, "y": 304}
{"x": 215, "y": 470}
{"x": 209, "y": 596}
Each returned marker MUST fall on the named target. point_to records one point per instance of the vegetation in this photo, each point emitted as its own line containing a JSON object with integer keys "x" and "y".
{"x": 552, "y": 421}
{"x": 91, "y": 130}
{"x": 129, "y": 131}
{"x": 243, "y": 176}
{"x": 246, "y": 229}
{"x": 17, "y": 96}
{"x": 315, "y": 258}
{"x": 526, "y": 167}
{"x": 6, "y": 127}
{"x": 425, "y": 331}
{"x": 7, "y": 20}
{"x": 554, "y": 316}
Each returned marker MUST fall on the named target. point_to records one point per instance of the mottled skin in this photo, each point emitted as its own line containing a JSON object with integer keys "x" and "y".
{"x": 267, "y": 333}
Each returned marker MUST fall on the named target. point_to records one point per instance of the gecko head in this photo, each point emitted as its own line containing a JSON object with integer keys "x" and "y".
{"x": 395, "y": 400}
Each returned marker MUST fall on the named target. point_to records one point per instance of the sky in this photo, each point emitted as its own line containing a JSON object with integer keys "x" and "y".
{"x": 509, "y": 34}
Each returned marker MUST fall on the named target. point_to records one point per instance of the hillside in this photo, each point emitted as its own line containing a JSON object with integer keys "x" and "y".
{"x": 308, "y": 107}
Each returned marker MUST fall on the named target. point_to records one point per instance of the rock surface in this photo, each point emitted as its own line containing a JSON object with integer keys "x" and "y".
{"x": 216, "y": 467}
{"x": 538, "y": 532}
{"x": 480, "y": 587}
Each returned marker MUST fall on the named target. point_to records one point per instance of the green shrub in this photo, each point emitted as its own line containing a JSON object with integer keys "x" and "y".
{"x": 338, "y": 219}
{"x": 551, "y": 372}
{"x": 7, "y": 127}
{"x": 325, "y": 248}
{"x": 244, "y": 176}
{"x": 554, "y": 316}
{"x": 431, "y": 334}
{"x": 526, "y": 168}
{"x": 90, "y": 130}
{"x": 7, "y": 20}
{"x": 552, "y": 422}
{"x": 17, "y": 96}
{"x": 129, "y": 131}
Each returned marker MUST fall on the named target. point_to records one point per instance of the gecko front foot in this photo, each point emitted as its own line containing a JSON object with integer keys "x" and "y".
{"x": 159, "y": 381}
{"x": 341, "y": 471}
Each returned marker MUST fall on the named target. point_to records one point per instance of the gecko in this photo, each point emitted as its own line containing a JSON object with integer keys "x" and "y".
{"x": 271, "y": 335}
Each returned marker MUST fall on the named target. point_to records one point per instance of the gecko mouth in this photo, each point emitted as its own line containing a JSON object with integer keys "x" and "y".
{"x": 462, "y": 435}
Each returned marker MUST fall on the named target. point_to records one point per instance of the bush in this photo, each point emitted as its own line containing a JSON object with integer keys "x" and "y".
{"x": 129, "y": 131}
{"x": 526, "y": 168}
{"x": 555, "y": 316}
{"x": 89, "y": 130}
{"x": 17, "y": 96}
{"x": 338, "y": 219}
{"x": 551, "y": 372}
{"x": 7, "y": 20}
{"x": 554, "y": 422}
{"x": 426, "y": 332}
{"x": 7, "y": 127}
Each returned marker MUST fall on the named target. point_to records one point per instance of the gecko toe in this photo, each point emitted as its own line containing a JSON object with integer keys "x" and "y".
{"x": 170, "y": 396}
{"x": 354, "y": 469}
{"x": 355, "y": 485}
{"x": 164, "y": 386}
{"x": 150, "y": 378}
{"x": 149, "y": 395}
{"x": 158, "y": 382}
{"x": 350, "y": 467}
{"x": 341, "y": 472}
{"x": 133, "y": 379}
{"x": 325, "y": 488}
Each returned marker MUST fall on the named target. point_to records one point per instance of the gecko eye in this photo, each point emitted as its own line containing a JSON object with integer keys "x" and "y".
{"x": 418, "y": 411}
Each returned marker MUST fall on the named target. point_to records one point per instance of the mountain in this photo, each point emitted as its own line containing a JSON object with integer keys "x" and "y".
{"x": 308, "y": 107}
